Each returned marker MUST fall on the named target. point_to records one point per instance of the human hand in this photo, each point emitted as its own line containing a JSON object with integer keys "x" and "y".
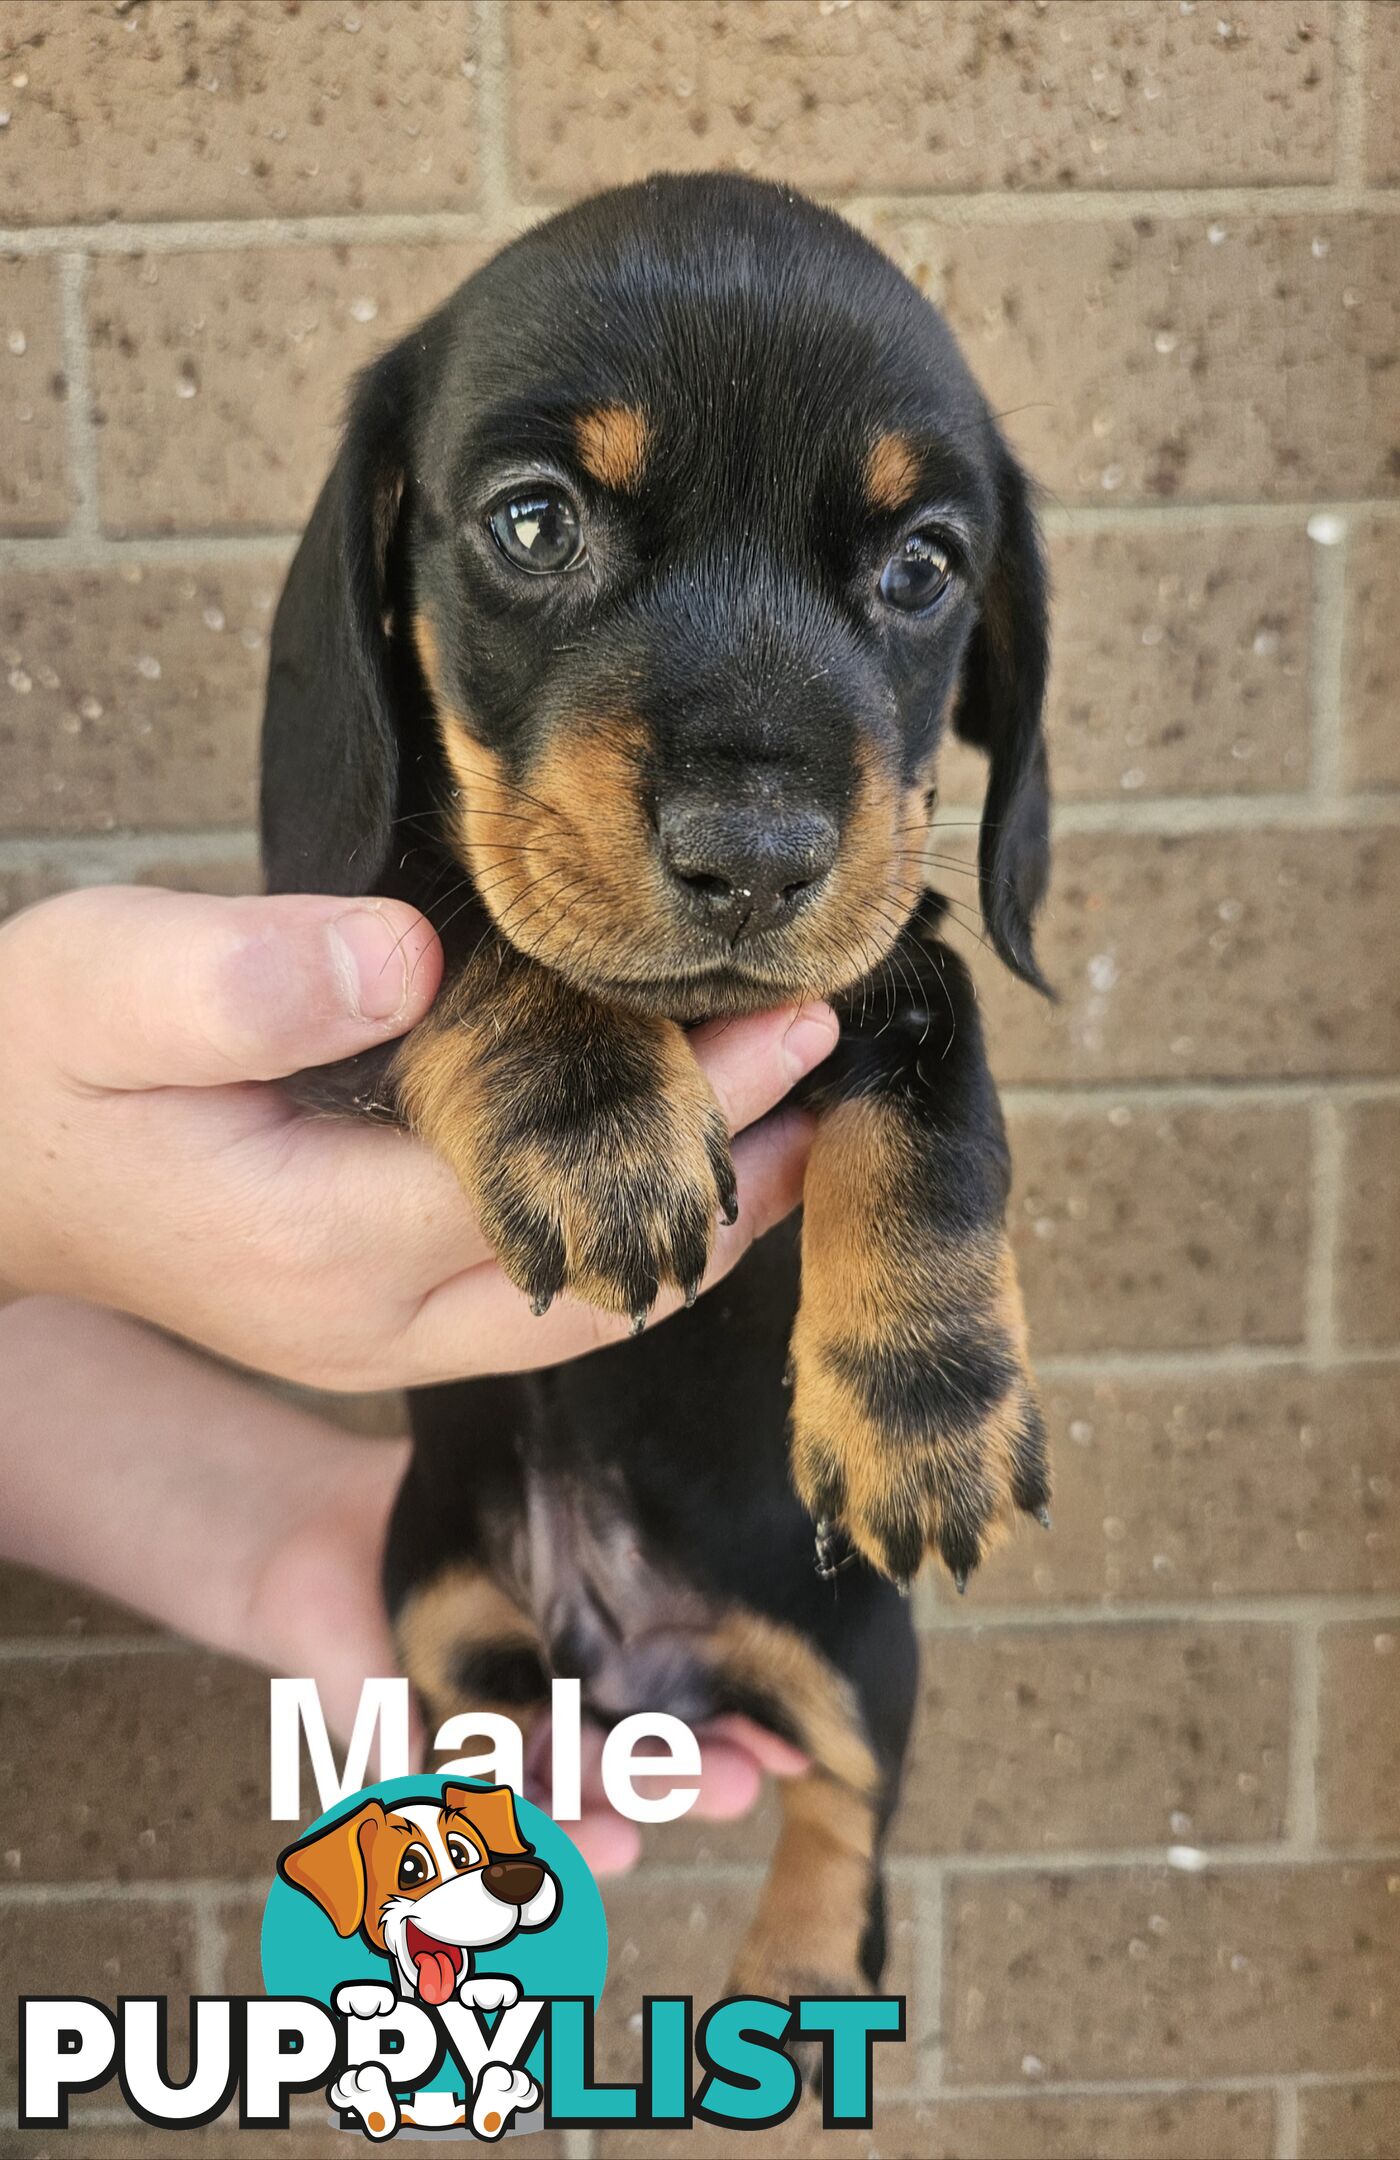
{"x": 144, "y": 1166}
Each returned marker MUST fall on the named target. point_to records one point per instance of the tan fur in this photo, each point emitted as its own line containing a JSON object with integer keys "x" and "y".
{"x": 805, "y": 1938}
{"x": 455, "y": 1611}
{"x": 763, "y": 1657}
{"x": 891, "y": 472}
{"x": 870, "y": 1278}
{"x": 612, "y": 444}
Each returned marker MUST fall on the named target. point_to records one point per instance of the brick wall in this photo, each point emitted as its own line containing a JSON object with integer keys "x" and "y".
{"x": 1148, "y": 1870}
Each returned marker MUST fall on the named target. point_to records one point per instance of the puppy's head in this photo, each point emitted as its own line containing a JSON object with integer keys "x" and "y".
{"x": 426, "y": 1882}
{"x": 651, "y": 566}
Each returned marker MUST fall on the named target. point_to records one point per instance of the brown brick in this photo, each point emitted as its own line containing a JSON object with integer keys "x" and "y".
{"x": 99, "y": 1947}
{"x": 1368, "y": 1258}
{"x": 1094, "y": 1737}
{"x": 33, "y": 393}
{"x": 1153, "y": 1229}
{"x": 181, "y": 1742}
{"x": 679, "y": 1935}
{"x": 1181, "y": 2126}
{"x": 1229, "y": 1485}
{"x": 1382, "y": 90}
{"x": 219, "y": 380}
{"x": 1155, "y": 1973}
{"x": 1180, "y": 662}
{"x": 134, "y": 695}
{"x": 223, "y": 2140}
{"x": 1211, "y": 358}
{"x": 176, "y": 110}
{"x": 59, "y": 868}
{"x": 35, "y": 1604}
{"x": 1349, "y": 2122}
{"x": 940, "y": 94}
{"x": 1227, "y": 955}
{"x": 1372, "y": 755}
{"x": 1358, "y": 1759}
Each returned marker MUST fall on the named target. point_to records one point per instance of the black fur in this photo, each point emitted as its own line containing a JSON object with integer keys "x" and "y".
{"x": 729, "y": 615}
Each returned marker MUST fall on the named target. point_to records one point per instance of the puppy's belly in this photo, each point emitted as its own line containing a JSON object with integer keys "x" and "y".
{"x": 611, "y": 1614}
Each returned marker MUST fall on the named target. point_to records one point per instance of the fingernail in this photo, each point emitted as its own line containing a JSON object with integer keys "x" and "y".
{"x": 371, "y": 958}
{"x": 809, "y": 1037}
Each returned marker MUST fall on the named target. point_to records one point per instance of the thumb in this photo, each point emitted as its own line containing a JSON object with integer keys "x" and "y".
{"x": 125, "y": 987}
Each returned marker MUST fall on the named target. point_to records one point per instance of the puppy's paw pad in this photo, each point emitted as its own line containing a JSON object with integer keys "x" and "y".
{"x": 501, "y": 2094}
{"x": 366, "y": 2094}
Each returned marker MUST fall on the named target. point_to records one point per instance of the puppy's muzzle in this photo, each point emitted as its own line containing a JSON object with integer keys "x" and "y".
{"x": 742, "y": 868}
{"x": 514, "y": 1882}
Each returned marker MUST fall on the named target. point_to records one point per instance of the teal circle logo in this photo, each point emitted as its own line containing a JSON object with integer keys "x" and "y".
{"x": 475, "y": 1861}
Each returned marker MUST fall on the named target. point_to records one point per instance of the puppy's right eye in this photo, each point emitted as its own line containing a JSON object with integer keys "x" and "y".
{"x": 415, "y": 1868}
{"x": 540, "y": 531}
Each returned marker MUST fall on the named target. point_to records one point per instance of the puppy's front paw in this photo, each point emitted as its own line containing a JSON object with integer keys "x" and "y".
{"x": 366, "y": 2094}
{"x": 489, "y": 1991}
{"x": 364, "y": 1999}
{"x": 914, "y": 1414}
{"x": 501, "y": 2094}
{"x": 596, "y": 1158}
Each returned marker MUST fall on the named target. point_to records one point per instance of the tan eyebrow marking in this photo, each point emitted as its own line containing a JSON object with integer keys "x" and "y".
{"x": 612, "y": 443}
{"x": 891, "y": 472}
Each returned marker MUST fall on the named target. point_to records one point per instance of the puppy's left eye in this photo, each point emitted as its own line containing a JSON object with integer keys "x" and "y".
{"x": 540, "y": 531}
{"x": 915, "y": 576}
{"x": 461, "y": 1852}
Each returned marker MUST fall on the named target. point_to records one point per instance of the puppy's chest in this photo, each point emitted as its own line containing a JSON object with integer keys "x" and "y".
{"x": 629, "y": 1627}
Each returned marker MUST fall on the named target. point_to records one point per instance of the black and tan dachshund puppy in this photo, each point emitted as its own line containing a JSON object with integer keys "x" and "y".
{"x": 621, "y": 641}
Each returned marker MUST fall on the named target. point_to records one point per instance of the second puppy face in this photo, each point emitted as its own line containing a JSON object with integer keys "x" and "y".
{"x": 692, "y": 522}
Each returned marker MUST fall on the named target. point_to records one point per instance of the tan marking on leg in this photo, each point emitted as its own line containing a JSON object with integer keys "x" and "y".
{"x": 458, "y": 1610}
{"x": 873, "y": 1279}
{"x": 612, "y": 444}
{"x": 891, "y": 472}
{"x": 806, "y": 1935}
{"x": 818, "y": 1705}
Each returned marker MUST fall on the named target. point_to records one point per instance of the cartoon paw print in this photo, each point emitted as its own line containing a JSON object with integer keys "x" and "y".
{"x": 366, "y": 2094}
{"x": 500, "y": 2094}
{"x": 489, "y": 1991}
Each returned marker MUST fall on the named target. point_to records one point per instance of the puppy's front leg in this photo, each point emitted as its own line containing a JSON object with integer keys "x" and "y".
{"x": 587, "y": 1138}
{"x": 915, "y": 1420}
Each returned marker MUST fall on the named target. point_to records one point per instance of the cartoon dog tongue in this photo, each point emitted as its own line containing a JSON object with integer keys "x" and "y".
{"x": 437, "y": 1967}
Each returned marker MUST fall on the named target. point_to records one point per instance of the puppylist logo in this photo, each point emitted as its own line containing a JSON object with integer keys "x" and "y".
{"x": 434, "y": 1951}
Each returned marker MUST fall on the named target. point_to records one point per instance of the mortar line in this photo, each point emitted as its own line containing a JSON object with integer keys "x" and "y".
{"x": 210, "y": 1947}
{"x": 1264, "y": 2081}
{"x": 1227, "y": 1361}
{"x": 956, "y": 208}
{"x": 80, "y": 435}
{"x": 1328, "y": 1196}
{"x": 930, "y": 1908}
{"x": 1285, "y": 2119}
{"x": 86, "y": 550}
{"x": 492, "y": 112}
{"x": 1329, "y": 589}
{"x": 911, "y": 1869}
{"x": 1349, "y": 109}
{"x": 1306, "y": 1709}
{"x": 1196, "y": 1094}
{"x": 1286, "y": 1611}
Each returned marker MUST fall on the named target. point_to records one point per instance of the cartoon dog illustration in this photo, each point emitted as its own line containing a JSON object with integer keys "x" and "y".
{"x": 426, "y": 1883}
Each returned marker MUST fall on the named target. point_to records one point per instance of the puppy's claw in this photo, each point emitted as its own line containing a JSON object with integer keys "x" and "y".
{"x": 960, "y": 1581}
{"x": 692, "y": 1290}
{"x": 639, "y": 1318}
{"x": 729, "y": 1206}
{"x": 1042, "y": 1516}
{"x": 541, "y": 1302}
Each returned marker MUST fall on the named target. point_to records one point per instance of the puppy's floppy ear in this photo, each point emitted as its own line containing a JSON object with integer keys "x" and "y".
{"x": 999, "y": 711}
{"x": 492, "y": 1812}
{"x": 329, "y": 1866}
{"x": 330, "y": 748}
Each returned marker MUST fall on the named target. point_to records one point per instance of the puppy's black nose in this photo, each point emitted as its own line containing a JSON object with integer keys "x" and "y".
{"x": 514, "y": 1882}
{"x": 742, "y": 868}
